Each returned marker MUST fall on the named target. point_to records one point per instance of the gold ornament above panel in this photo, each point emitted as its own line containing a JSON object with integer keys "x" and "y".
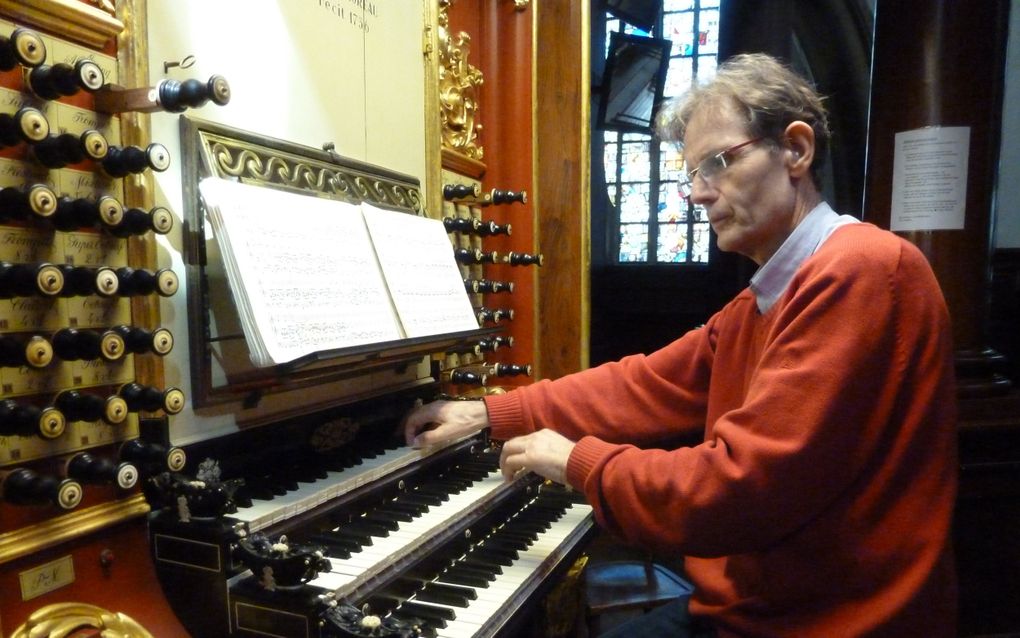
{"x": 93, "y": 26}
{"x": 266, "y": 166}
{"x": 459, "y": 82}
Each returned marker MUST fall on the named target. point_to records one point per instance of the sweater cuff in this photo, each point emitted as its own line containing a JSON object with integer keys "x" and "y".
{"x": 588, "y": 453}
{"x": 505, "y": 415}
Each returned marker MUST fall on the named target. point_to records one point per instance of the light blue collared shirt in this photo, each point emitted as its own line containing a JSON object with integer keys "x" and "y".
{"x": 774, "y": 276}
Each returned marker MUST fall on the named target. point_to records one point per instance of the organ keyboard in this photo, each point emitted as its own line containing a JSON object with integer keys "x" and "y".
{"x": 434, "y": 540}
{"x": 477, "y": 592}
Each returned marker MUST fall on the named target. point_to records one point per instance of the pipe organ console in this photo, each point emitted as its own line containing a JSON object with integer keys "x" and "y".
{"x": 326, "y": 524}
{"x": 316, "y": 522}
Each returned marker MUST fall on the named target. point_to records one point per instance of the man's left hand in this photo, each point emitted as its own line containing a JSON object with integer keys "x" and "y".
{"x": 544, "y": 452}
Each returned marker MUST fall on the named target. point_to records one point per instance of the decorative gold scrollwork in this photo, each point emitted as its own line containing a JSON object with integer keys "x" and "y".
{"x": 61, "y": 619}
{"x": 458, "y": 89}
{"x": 260, "y": 165}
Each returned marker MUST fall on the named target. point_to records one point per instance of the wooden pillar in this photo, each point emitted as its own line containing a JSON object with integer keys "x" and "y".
{"x": 941, "y": 64}
{"x": 562, "y": 184}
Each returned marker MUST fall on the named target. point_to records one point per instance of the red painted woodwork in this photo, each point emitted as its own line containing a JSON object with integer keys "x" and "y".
{"x": 501, "y": 40}
{"x": 128, "y": 585}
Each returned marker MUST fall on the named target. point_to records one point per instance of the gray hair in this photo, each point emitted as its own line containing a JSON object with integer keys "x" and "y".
{"x": 768, "y": 93}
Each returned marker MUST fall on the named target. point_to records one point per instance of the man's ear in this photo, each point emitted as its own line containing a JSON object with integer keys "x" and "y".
{"x": 800, "y": 147}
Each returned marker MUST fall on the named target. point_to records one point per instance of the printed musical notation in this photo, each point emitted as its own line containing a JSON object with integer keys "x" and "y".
{"x": 311, "y": 274}
{"x": 424, "y": 281}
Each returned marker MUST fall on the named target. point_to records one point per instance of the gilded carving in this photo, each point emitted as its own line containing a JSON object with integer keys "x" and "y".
{"x": 65, "y": 619}
{"x": 459, "y": 82}
{"x": 260, "y": 165}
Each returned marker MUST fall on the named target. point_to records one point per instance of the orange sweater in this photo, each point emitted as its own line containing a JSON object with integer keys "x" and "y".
{"x": 820, "y": 502}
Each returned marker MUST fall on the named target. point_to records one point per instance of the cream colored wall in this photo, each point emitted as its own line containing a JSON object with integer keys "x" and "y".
{"x": 349, "y": 72}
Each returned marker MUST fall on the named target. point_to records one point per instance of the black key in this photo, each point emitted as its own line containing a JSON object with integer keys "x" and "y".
{"x": 480, "y": 563}
{"x": 472, "y": 570}
{"x": 398, "y": 504}
{"x": 338, "y": 540}
{"x": 494, "y": 556}
{"x": 361, "y": 539}
{"x": 442, "y": 598}
{"x": 436, "y": 492}
{"x": 429, "y": 612}
{"x": 466, "y": 578}
{"x": 263, "y": 489}
{"x": 422, "y": 499}
{"x": 499, "y": 545}
{"x": 362, "y": 526}
{"x": 383, "y": 520}
{"x": 466, "y": 593}
{"x": 395, "y": 514}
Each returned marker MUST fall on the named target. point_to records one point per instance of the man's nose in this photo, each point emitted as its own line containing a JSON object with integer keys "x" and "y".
{"x": 701, "y": 191}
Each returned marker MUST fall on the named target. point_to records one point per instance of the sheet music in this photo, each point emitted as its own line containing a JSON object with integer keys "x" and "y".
{"x": 302, "y": 269}
{"x": 424, "y": 280}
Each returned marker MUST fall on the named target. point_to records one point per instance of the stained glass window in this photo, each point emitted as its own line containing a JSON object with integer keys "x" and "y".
{"x": 654, "y": 223}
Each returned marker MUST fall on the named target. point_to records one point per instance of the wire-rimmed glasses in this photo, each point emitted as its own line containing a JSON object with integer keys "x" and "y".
{"x": 710, "y": 167}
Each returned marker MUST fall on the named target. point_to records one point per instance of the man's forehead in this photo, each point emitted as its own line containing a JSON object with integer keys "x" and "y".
{"x": 713, "y": 126}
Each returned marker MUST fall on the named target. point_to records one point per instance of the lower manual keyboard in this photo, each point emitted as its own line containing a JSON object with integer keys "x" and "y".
{"x": 381, "y": 537}
{"x": 478, "y": 590}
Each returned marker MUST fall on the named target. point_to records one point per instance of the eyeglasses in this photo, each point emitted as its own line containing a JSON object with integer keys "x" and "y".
{"x": 710, "y": 167}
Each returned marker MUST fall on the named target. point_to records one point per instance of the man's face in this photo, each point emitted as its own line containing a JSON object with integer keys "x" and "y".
{"x": 751, "y": 202}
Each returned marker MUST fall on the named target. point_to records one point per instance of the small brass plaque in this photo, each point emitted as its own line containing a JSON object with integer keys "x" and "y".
{"x": 45, "y": 578}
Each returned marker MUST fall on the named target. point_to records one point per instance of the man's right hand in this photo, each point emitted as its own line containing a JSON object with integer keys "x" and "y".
{"x": 441, "y": 421}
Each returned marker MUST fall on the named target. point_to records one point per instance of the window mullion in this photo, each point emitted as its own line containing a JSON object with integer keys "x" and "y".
{"x": 653, "y": 202}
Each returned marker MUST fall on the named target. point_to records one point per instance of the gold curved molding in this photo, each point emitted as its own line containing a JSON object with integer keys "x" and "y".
{"x": 139, "y": 189}
{"x": 61, "y": 619}
{"x": 459, "y": 82}
{"x": 72, "y": 19}
{"x": 33, "y": 538}
{"x": 265, "y": 166}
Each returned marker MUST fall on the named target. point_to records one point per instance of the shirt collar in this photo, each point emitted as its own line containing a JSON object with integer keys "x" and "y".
{"x": 775, "y": 275}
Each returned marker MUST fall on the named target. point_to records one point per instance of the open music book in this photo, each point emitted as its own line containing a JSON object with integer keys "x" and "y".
{"x": 310, "y": 274}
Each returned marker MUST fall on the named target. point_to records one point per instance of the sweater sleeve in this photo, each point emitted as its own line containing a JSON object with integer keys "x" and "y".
{"x": 641, "y": 399}
{"x": 819, "y": 411}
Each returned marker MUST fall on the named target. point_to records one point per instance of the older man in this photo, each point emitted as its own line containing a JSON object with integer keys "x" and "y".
{"x": 819, "y": 502}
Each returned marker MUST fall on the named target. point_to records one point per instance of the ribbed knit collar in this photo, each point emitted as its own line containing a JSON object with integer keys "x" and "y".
{"x": 774, "y": 276}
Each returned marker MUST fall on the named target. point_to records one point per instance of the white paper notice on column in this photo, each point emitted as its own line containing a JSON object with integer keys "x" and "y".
{"x": 930, "y": 178}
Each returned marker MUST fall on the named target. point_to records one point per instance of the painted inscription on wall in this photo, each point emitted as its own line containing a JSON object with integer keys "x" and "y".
{"x": 357, "y": 13}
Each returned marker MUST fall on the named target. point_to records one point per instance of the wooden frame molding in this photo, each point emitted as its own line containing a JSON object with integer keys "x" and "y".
{"x": 72, "y": 19}
{"x": 28, "y": 540}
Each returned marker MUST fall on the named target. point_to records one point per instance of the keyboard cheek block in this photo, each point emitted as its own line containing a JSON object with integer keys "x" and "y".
{"x": 280, "y": 564}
